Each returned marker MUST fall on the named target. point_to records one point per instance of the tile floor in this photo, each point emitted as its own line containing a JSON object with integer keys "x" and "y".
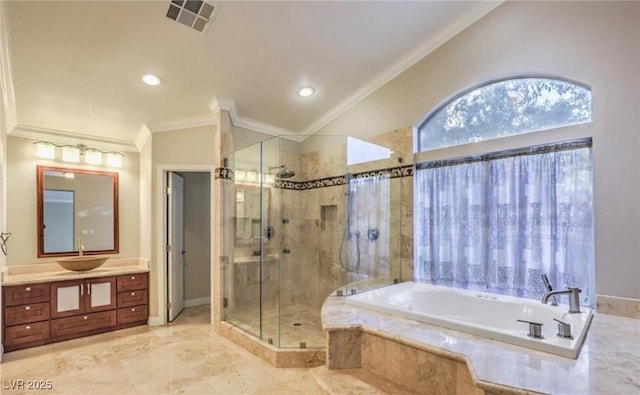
{"x": 280, "y": 325}
{"x": 185, "y": 357}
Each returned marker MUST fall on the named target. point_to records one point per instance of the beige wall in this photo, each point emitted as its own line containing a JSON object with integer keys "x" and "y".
{"x": 21, "y": 201}
{"x": 175, "y": 149}
{"x": 596, "y": 43}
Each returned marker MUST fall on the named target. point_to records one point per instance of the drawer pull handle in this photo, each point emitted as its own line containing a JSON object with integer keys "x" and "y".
{"x": 85, "y": 317}
{"x": 133, "y": 277}
{"x": 27, "y": 327}
{"x": 27, "y": 308}
{"x": 133, "y": 309}
{"x": 28, "y": 289}
{"x": 133, "y": 294}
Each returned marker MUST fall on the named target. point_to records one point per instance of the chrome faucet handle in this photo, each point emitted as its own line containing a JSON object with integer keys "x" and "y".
{"x": 564, "y": 329}
{"x": 535, "y": 329}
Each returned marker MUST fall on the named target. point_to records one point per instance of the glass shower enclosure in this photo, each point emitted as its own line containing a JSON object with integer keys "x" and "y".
{"x": 309, "y": 219}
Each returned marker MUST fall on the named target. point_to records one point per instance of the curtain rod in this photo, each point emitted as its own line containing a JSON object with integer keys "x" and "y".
{"x": 531, "y": 150}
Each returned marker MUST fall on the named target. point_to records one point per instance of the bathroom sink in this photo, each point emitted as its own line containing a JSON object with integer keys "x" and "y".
{"x": 82, "y": 263}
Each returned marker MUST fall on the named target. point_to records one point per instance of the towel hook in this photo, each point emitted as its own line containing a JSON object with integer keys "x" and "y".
{"x": 4, "y": 237}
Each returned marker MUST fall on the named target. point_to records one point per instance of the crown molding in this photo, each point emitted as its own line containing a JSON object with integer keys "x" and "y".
{"x": 143, "y": 136}
{"x": 229, "y": 105}
{"x": 61, "y": 137}
{"x": 404, "y": 63}
{"x": 208, "y": 120}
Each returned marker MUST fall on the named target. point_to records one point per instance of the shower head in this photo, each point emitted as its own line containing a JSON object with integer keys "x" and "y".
{"x": 284, "y": 172}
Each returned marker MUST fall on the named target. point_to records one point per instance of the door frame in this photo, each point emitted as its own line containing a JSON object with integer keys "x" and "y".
{"x": 161, "y": 234}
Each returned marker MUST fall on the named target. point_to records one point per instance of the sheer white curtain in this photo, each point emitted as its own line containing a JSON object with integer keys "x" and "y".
{"x": 369, "y": 226}
{"x": 498, "y": 224}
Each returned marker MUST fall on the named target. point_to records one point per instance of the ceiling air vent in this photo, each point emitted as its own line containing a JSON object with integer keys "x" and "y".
{"x": 195, "y": 14}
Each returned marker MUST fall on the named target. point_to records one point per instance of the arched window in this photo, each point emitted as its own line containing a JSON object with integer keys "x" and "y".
{"x": 505, "y": 108}
{"x": 499, "y": 221}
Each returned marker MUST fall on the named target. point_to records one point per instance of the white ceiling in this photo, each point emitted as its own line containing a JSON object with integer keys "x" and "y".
{"x": 76, "y": 65}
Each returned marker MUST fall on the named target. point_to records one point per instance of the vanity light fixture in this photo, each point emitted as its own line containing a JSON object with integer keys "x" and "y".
{"x": 241, "y": 175}
{"x": 93, "y": 157}
{"x": 74, "y": 153}
{"x": 306, "y": 91}
{"x": 45, "y": 150}
{"x": 151, "y": 79}
{"x": 252, "y": 176}
{"x": 114, "y": 159}
{"x": 71, "y": 154}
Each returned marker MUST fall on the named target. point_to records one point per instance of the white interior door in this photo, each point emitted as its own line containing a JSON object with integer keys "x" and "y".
{"x": 175, "y": 253}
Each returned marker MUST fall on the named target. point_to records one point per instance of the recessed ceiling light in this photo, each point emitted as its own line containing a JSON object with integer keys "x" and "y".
{"x": 306, "y": 91}
{"x": 151, "y": 79}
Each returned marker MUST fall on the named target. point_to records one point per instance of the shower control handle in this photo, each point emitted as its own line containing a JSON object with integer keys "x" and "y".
{"x": 286, "y": 251}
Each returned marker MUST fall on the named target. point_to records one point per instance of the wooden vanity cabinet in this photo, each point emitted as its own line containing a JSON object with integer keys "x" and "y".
{"x": 25, "y": 316}
{"x": 73, "y": 302}
{"x": 41, "y": 313}
{"x": 75, "y": 297}
{"x": 133, "y": 299}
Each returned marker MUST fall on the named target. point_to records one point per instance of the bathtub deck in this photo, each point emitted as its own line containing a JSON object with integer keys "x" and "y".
{"x": 608, "y": 363}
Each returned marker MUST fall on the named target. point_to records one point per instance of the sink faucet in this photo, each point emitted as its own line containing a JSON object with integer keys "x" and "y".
{"x": 80, "y": 247}
{"x": 574, "y": 298}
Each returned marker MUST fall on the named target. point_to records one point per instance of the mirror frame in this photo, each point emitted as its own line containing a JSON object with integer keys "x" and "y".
{"x": 40, "y": 207}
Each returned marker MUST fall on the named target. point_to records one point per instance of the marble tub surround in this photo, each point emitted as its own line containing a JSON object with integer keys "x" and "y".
{"x": 44, "y": 272}
{"x": 615, "y": 305}
{"x": 609, "y": 362}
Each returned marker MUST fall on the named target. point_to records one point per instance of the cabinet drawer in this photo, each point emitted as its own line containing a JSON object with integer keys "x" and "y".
{"x": 26, "y": 313}
{"x": 82, "y": 323}
{"x": 132, "y": 298}
{"x": 131, "y": 282}
{"x": 29, "y": 333}
{"x": 25, "y": 294}
{"x": 128, "y": 315}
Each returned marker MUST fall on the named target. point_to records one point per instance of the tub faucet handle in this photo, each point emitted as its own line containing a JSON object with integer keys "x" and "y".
{"x": 535, "y": 329}
{"x": 564, "y": 329}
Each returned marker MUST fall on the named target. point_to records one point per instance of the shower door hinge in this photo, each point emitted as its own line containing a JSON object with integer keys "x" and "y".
{"x": 168, "y": 247}
{"x": 168, "y": 305}
{"x": 224, "y": 302}
{"x": 168, "y": 190}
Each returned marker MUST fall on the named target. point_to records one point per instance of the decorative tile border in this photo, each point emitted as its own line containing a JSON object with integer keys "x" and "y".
{"x": 224, "y": 173}
{"x": 391, "y": 172}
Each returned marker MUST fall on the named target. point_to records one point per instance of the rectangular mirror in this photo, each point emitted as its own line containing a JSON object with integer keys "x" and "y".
{"x": 76, "y": 204}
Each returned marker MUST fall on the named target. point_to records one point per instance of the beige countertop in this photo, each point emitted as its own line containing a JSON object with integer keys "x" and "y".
{"x": 609, "y": 362}
{"x": 44, "y": 272}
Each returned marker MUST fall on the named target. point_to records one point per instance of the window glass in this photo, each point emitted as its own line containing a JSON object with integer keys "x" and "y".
{"x": 505, "y": 108}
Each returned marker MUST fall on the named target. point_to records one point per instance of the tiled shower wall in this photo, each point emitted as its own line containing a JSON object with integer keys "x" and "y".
{"x": 317, "y": 219}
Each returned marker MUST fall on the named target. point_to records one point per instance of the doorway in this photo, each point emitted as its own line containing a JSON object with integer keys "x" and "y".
{"x": 188, "y": 236}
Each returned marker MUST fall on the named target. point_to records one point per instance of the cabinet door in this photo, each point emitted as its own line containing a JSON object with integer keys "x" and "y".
{"x": 67, "y": 298}
{"x": 101, "y": 294}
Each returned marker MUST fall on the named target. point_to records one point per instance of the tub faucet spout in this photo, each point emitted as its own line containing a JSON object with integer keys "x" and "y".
{"x": 574, "y": 298}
